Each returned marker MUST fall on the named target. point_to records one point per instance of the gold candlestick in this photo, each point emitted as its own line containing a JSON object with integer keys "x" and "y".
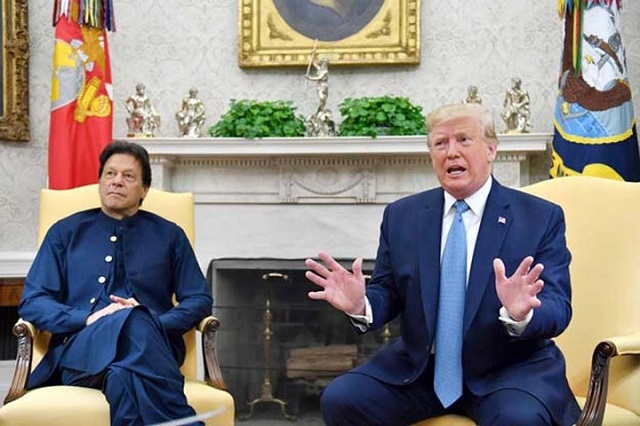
{"x": 267, "y": 394}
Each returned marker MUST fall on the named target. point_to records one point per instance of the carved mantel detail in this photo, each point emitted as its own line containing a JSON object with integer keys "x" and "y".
{"x": 328, "y": 182}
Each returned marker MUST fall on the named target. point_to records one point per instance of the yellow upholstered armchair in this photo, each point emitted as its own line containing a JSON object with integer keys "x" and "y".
{"x": 67, "y": 405}
{"x": 602, "y": 343}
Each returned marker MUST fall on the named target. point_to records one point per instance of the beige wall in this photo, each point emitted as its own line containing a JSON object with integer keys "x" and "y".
{"x": 172, "y": 45}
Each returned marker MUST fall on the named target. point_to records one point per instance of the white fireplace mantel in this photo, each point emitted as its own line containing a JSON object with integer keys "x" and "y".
{"x": 316, "y": 170}
{"x": 383, "y": 145}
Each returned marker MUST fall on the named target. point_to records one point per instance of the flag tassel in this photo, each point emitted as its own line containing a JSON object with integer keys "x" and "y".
{"x": 91, "y": 13}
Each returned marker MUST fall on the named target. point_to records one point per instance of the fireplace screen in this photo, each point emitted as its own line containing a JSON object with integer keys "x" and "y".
{"x": 278, "y": 349}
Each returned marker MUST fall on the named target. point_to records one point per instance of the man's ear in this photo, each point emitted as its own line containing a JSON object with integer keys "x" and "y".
{"x": 492, "y": 150}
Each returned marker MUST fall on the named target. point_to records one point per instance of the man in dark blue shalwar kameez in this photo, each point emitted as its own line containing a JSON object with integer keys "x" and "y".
{"x": 102, "y": 284}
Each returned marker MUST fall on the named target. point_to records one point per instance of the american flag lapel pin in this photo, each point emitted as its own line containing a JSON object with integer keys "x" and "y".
{"x": 502, "y": 220}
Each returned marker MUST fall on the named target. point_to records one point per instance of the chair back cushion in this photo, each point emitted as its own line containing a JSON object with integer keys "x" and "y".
{"x": 176, "y": 207}
{"x": 603, "y": 235}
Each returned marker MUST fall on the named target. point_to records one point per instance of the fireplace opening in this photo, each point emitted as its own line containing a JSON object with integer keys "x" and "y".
{"x": 277, "y": 348}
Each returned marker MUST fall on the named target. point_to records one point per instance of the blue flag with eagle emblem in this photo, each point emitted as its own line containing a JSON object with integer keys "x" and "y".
{"x": 595, "y": 131}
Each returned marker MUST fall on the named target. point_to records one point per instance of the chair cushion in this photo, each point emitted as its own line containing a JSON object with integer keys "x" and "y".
{"x": 203, "y": 398}
{"x": 57, "y": 406}
{"x": 613, "y": 416}
{"x": 71, "y": 405}
{"x": 448, "y": 420}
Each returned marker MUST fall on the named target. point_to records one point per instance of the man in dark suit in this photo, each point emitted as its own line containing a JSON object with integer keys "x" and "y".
{"x": 516, "y": 296}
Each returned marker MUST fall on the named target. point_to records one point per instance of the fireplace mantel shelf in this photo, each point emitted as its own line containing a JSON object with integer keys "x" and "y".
{"x": 383, "y": 145}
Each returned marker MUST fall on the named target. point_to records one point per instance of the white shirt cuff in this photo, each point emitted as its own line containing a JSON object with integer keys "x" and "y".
{"x": 362, "y": 322}
{"x": 514, "y": 328}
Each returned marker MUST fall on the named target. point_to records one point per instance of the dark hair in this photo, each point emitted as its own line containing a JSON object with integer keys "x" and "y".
{"x": 133, "y": 149}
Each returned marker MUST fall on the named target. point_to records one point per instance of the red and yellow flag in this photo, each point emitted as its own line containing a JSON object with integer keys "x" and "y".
{"x": 81, "y": 92}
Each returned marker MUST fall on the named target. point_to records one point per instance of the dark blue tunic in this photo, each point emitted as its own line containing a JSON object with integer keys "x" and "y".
{"x": 88, "y": 256}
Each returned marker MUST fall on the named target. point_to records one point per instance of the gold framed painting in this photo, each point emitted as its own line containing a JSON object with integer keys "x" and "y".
{"x": 14, "y": 67}
{"x": 347, "y": 32}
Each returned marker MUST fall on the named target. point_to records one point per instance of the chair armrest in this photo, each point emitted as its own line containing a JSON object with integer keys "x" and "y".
{"x": 212, "y": 373}
{"x": 626, "y": 345}
{"x": 593, "y": 411}
{"x": 24, "y": 332}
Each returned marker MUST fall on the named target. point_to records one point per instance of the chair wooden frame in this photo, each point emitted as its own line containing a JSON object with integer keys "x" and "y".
{"x": 605, "y": 351}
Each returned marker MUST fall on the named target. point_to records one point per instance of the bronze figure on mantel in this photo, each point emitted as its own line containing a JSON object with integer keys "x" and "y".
{"x": 472, "y": 96}
{"x": 143, "y": 120}
{"x": 516, "y": 112}
{"x": 321, "y": 123}
{"x": 191, "y": 115}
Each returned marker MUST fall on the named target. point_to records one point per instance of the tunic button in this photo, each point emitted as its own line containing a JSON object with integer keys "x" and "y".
{"x": 92, "y": 300}
{"x": 113, "y": 238}
{"x": 108, "y": 258}
{"x": 102, "y": 280}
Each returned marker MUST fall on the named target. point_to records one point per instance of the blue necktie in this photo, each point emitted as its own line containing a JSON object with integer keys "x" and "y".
{"x": 453, "y": 282}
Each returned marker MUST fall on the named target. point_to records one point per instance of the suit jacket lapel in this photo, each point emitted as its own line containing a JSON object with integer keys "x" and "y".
{"x": 496, "y": 221}
{"x": 430, "y": 229}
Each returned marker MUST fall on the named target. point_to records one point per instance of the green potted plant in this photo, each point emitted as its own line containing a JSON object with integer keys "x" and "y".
{"x": 250, "y": 119}
{"x": 382, "y": 115}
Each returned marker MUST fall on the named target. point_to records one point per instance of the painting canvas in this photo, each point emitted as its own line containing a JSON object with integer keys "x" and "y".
{"x": 348, "y": 32}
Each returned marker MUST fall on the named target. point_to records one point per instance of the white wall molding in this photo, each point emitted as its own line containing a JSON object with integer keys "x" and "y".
{"x": 15, "y": 264}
